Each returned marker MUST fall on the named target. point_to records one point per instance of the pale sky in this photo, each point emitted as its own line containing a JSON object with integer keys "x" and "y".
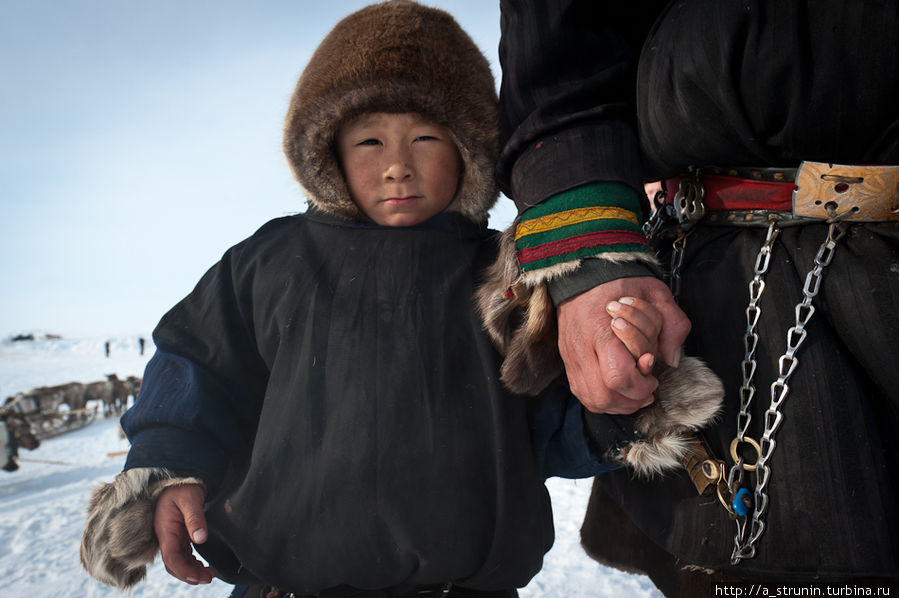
{"x": 141, "y": 139}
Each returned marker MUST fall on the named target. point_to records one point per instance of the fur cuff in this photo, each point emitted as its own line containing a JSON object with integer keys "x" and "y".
{"x": 542, "y": 275}
{"x": 521, "y": 322}
{"x": 119, "y": 541}
{"x": 688, "y": 398}
{"x": 520, "y": 317}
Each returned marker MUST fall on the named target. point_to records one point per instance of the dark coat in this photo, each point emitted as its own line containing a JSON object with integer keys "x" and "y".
{"x": 333, "y": 384}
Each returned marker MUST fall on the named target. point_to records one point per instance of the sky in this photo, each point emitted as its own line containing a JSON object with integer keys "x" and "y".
{"x": 139, "y": 140}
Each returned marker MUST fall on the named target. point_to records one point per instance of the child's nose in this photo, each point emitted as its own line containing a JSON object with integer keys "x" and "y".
{"x": 399, "y": 168}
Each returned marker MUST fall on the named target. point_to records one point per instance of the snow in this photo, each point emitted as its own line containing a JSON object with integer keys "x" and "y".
{"x": 43, "y": 504}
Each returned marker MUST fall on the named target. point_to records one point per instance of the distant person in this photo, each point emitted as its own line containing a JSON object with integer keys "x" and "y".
{"x": 7, "y": 448}
{"x": 141, "y": 342}
{"x": 327, "y": 390}
{"x": 106, "y": 347}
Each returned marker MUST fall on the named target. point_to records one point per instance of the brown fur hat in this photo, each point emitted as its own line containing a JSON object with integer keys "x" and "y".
{"x": 394, "y": 57}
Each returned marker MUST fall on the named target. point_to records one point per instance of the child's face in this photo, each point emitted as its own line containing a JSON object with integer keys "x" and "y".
{"x": 401, "y": 169}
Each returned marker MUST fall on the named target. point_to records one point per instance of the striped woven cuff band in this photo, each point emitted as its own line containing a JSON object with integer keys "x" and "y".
{"x": 583, "y": 222}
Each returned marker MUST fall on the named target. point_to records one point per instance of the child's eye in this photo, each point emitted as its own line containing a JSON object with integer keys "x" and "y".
{"x": 425, "y": 138}
{"x": 371, "y": 141}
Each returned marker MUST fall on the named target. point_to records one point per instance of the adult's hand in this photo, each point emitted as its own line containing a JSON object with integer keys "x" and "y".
{"x": 179, "y": 520}
{"x": 601, "y": 370}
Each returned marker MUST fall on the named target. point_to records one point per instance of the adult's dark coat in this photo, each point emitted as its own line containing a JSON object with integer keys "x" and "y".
{"x": 632, "y": 92}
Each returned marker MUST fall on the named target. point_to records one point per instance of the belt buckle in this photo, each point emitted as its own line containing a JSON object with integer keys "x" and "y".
{"x": 842, "y": 192}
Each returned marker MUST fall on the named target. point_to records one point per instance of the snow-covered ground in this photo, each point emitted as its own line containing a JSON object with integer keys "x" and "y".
{"x": 42, "y": 505}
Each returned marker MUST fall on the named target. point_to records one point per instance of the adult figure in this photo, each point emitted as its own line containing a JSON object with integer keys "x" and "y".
{"x": 600, "y": 97}
{"x": 7, "y": 448}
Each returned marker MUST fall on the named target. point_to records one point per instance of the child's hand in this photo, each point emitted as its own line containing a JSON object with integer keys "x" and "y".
{"x": 178, "y": 520}
{"x": 637, "y": 324}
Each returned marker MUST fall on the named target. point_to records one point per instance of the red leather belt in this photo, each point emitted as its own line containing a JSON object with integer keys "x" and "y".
{"x": 818, "y": 191}
{"x": 729, "y": 193}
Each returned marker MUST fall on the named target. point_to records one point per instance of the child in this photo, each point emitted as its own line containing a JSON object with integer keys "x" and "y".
{"x": 327, "y": 389}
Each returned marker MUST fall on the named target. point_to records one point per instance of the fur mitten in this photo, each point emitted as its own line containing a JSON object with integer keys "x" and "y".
{"x": 118, "y": 540}
{"x": 661, "y": 435}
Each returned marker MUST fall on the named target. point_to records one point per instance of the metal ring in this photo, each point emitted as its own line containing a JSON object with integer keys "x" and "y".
{"x": 736, "y": 458}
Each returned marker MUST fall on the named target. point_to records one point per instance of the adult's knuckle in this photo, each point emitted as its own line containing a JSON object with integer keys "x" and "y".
{"x": 617, "y": 380}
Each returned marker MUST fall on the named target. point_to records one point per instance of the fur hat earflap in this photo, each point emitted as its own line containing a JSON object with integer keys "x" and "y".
{"x": 394, "y": 57}
{"x": 118, "y": 540}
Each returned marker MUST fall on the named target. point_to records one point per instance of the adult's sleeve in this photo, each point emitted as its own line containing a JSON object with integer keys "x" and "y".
{"x": 570, "y": 158}
{"x": 568, "y": 95}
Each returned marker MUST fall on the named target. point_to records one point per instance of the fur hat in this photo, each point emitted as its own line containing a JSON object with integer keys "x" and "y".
{"x": 394, "y": 57}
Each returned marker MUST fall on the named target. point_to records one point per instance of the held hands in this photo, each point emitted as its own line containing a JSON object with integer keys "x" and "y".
{"x": 637, "y": 325}
{"x": 179, "y": 520}
{"x": 609, "y": 345}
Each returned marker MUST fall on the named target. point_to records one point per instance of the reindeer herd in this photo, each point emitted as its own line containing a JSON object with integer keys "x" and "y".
{"x": 113, "y": 394}
{"x": 46, "y": 411}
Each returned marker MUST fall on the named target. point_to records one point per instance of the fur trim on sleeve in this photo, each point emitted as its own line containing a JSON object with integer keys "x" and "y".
{"x": 118, "y": 540}
{"x": 544, "y": 275}
{"x": 521, "y": 322}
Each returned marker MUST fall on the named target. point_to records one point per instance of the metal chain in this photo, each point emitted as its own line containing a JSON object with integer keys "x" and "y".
{"x": 750, "y": 341}
{"x": 677, "y": 262}
{"x": 746, "y": 547}
{"x": 689, "y": 209}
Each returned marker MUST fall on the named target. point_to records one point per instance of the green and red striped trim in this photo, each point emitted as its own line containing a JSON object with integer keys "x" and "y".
{"x": 583, "y": 222}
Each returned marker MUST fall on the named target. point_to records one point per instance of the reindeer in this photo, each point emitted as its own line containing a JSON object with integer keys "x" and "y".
{"x": 134, "y": 383}
{"x": 72, "y": 394}
{"x": 121, "y": 391}
{"x": 100, "y": 391}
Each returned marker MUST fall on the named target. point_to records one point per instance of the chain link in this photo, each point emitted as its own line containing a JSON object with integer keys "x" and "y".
{"x": 745, "y": 547}
{"x": 677, "y": 262}
{"x": 750, "y": 342}
{"x": 689, "y": 209}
